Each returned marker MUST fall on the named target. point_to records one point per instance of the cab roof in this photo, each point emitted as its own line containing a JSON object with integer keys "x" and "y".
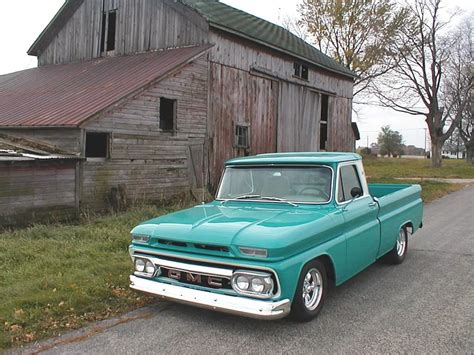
{"x": 295, "y": 158}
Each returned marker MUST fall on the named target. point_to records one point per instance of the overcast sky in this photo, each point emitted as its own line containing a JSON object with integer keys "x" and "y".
{"x": 17, "y": 34}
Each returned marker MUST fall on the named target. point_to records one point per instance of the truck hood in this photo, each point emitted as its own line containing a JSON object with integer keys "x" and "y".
{"x": 279, "y": 228}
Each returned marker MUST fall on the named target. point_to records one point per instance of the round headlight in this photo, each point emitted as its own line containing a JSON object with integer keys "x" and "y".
{"x": 149, "y": 267}
{"x": 140, "y": 265}
{"x": 258, "y": 285}
{"x": 242, "y": 282}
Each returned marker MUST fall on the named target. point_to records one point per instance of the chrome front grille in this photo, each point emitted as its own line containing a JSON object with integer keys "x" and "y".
{"x": 192, "y": 274}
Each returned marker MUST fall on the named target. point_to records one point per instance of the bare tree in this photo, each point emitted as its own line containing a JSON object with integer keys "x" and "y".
{"x": 459, "y": 88}
{"x": 291, "y": 24}
{"x": 356, "y": 33}
{"x": 426, "y": 75}
{"x": 466, "y": 130}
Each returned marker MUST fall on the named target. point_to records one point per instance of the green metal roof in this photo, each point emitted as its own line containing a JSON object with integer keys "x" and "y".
{"x": 243, "y": 24}
{"x": 295, "y": 158}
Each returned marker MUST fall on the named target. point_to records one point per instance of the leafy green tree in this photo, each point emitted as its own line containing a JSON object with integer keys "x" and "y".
{"x": 356, "y": 33}
{"x": 390, "y": 142}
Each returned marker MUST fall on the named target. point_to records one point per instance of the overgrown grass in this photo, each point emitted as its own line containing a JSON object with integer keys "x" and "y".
{"x": 380, "y": 168}
{"x": 55, "y": 278}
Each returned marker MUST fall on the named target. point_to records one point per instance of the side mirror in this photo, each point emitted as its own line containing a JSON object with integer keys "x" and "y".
{"x": 356, "y": 192}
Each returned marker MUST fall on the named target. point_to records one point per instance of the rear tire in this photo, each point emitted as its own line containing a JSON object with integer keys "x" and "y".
{"x": 311, "y": 292}
{"x": 398, "y": 253}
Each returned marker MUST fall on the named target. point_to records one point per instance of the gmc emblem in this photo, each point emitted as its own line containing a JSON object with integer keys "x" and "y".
{"x": 194, "y": 278}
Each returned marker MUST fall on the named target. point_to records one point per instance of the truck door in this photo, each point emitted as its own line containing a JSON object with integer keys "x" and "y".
{"x": 361, "y": 225}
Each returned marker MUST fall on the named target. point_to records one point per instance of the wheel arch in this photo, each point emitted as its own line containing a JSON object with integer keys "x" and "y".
{"x": 328, "y": 264}
{"x": 408, "y": 226}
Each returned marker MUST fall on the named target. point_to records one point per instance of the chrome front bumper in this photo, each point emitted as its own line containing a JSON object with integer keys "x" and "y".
{"x": 228, "y": 304}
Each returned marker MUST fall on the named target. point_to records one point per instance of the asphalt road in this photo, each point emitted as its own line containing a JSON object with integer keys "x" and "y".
{"x": 425, "y": 305}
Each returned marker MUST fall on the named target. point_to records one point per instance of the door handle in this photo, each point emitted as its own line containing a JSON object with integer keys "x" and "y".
{"x": 372, "y": 204}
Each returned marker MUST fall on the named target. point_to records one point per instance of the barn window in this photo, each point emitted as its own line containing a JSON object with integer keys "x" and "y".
{"x": 297, "y": 67}
{"x": 167, "y": 114}
{"x": 304, "y": 72}
{"x": 97, "y": 145}
{"x": 301, "y": 71}
{"x": 242, "y": 137}
{"x": 323, "y": 128}
{"x": 109, "y": 29}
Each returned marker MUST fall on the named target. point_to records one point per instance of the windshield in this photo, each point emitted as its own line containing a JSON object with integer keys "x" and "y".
{"x": 287, "y": 183}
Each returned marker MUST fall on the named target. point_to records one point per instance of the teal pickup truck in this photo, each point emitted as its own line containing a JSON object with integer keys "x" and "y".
{"x": 282, "y": 229}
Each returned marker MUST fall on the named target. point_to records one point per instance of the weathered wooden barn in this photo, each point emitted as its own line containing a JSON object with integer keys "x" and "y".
{"x": 156, "y": 94}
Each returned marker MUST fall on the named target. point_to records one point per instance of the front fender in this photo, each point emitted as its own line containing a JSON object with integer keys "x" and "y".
{"x": 290, "y": 269}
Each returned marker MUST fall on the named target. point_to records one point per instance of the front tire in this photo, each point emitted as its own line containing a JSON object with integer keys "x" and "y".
{"x": 398, "y": 253}
{"x": 311, "y": 292}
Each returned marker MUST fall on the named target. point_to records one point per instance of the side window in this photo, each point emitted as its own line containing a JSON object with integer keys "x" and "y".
{"x": 348, "y": 179}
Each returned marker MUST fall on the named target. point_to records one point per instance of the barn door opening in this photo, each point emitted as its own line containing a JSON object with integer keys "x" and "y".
{"x": 298, "y": 120}
{"x": 323, "y": 125}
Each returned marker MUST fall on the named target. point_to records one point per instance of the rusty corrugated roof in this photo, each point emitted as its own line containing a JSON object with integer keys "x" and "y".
{"x": 69, "y": 94}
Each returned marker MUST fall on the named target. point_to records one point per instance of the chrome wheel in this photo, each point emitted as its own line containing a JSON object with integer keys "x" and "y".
{"x": 401, "y": 242}
{"x": 312, "y": 289}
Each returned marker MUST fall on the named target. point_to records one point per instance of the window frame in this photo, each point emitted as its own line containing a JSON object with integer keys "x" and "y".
{"x": 108, "y": 148}
{"x": 236, "y": 137}
{"x": 174, "y": 118}
{"x": 299, "y": 69}
{"x": 104, "y": 34}
{"x": 360, "y": 176}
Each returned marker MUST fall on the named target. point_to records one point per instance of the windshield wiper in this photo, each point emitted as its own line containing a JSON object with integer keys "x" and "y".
{"x": 279, "y": 200}
{"x": 259, "y": 197}
{"x": 243, "y": 197}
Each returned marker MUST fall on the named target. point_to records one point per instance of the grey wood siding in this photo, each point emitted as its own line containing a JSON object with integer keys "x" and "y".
{"x": 150, "y": 163}
{"x": 142, "y": 25}
{"x": 68, "y": 139}
{"x": 282, "y": 111}
{"x": 239, "y": 98}
{"x": 245, "y": 55}
{"x": 340, "y": 134}
{"x": 30, "y": 191}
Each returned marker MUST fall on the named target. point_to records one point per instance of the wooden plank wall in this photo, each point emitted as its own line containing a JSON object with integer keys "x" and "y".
{"x": 33, "y": 190}
{"x": 142, "y": 25}
{"x": 240, "y": 98}
{"x": 295, "y": 118}
{"x": 238, "y": 53}
{"x": 152, "y": 164}
{"x": 340, "y": 134}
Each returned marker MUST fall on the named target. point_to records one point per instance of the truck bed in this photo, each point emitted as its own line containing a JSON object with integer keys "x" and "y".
{"x": 398, "y": 204}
